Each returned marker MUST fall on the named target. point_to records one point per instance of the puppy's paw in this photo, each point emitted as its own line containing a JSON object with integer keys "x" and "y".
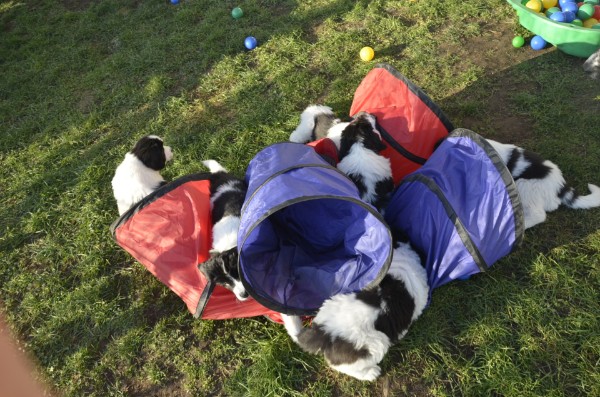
{"x": 371, "y": 373}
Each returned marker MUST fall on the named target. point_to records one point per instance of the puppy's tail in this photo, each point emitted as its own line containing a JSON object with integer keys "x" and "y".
{"x": 214, "y": 166}
{"x": 571, "y": 199}
{"x": 310, "y": 119}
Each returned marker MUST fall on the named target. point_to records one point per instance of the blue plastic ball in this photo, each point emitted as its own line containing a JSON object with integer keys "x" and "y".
{"x": 174, "y": 1}
{"x": 250, "y": 42}
{"x": 538, "y": 43}
{"x": 558, "y": 16}
{"x": 570, "y": 6}
{"x": 563, "y": 2}
{"x": 569, "y": 16}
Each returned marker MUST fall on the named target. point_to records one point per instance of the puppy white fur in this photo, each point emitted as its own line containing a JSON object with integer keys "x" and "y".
{"x": 359, "y": 146}
{"x": 139, "y": 173}
{"x": 315, "y": 121}
{"x": 355, "y": 331}
{"x": 541, "y": 185}
{"x": 592, "y": 65}
{"x": 227, "y": 194}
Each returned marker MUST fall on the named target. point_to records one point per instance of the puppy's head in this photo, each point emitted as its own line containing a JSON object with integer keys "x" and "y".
{"x": 362, "y": 130}
{"x": 151, "y": 151}
{"x": 222, "y": 270}
{"x": 592, "y": 65}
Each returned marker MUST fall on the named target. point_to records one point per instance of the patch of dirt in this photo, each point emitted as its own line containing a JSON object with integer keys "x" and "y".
{"x": 495, "y": 55}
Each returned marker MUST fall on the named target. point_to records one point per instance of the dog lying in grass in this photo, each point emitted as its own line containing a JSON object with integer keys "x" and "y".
{"x": 138, "y": 175}
{"x": 541, "y": 185}
{"x": 354, "y": 331}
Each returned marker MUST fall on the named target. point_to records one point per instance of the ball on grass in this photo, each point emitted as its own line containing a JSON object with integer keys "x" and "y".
{"x": 237, "y": 13}
{"x": 518, "y": 41}
{"x": 174, "y": 1}
{"x": 366, "y": 54}
{"x": 538, "y": 43}
{"x": 250, "y": 42}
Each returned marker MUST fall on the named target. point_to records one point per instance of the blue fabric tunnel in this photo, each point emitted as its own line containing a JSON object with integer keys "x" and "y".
{"x": 305, "y": 234}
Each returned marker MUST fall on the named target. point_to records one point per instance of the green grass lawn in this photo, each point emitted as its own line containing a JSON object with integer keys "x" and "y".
{"x": 81, "y": 81}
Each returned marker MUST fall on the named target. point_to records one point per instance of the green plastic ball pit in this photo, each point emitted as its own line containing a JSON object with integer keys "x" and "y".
{"x": 570, "y": 39}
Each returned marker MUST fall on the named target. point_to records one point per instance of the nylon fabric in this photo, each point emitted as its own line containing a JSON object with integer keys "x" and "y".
{"x": 304, "y": 233}
{"x": 170, "y": 236}
{"x": 408, "y": 117}
{"x": 477, "y": 194}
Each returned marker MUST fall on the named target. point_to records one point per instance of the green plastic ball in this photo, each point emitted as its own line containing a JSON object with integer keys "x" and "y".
{"x": 577, "y": 22}
{"x": 518, "y": 41}
{"x": 586, "y": 11}
{"x": 551, "y": 11}
{"x": 237, "y": 13}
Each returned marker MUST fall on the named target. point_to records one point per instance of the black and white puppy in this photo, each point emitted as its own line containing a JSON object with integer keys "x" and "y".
{"x": 315, "y": 122}
{"x": 359, "y": 146}
{"x": 592, "y": 65}
{"x": 354, "y": 331}
{"x": 222, "y": 269}
{"x": 139, "y": 173}
{"x": 227, "y": 194}
{"x": 541, "y": 185}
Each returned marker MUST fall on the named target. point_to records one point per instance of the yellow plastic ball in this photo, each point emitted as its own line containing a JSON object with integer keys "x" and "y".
{"x": 534, "y": 5}
{"x": 366, "y": 54}
{"x": 549, "y": 3}
{"x": 588, "y": 23}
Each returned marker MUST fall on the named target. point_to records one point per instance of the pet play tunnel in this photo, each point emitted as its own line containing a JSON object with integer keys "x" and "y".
{"x": 305, "y": 235}
{"x": 461, "y": 209}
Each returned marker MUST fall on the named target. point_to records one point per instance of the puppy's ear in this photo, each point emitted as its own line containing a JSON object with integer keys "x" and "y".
{"x": 210, "y": 267}
{"x": 150, "y": 151}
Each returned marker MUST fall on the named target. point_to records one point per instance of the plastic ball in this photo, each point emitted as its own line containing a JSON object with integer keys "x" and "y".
{"x": 518, "y": 41}
{"x": 558, "y": 16}
{"x": 237, "y": 13}
{"x": 586, "y": 11}
{"x": 596, "y": 12}
{"x": 593, "y": 2}
{"x": 572, "y": 7}
{"x": 250, "y": 42}
{"x": 534, "y": 5}
{"x": 549, "y": 3}
{"x": 569, "y": 16}
{"x": 577, "y": 22}
{"x": 174, "y": 1}
{"x": 552, "y": 10}
{"x": 562, "y": 3}
{"x": 538, "y": 43}
{"x": 366, "y": 54}
{"x": 588, "y": 23}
